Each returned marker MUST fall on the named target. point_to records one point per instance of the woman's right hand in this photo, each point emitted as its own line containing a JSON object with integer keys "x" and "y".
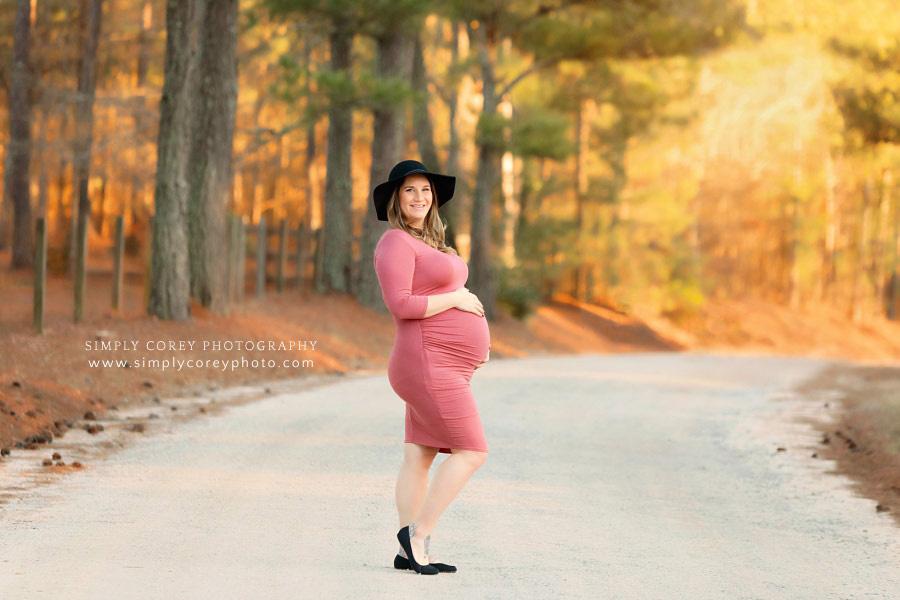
{"x": 469, "y": 302}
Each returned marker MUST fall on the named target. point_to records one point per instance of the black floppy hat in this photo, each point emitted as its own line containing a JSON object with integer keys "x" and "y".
{"x": 443, "y": 185}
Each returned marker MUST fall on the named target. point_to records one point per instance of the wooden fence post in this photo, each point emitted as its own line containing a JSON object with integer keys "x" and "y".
{"x": 118, "y": 266}
{"x": 242, "y": 258}
{"x": 319, "y": 255}
{"x": 298, "y": 257}
{"x": 40, "y": 273}
{"x": 282, "y": 254}
{"x": 148, "y": 262}
{"x": 235, "y": 236}
{"x": 229, "y": 257}
{"x": 81, "y": 259}
{"x": 238, "y": 256}
{"x": 261, "y": 249}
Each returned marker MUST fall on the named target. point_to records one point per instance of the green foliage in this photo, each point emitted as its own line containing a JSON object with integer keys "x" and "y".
{"x": 568, "y": 37}
{"x": 327, "y": 88}
{"x": 491, "y": 131}
{"x": 868, "y": 97}
{"x": 606, "y": 190}
{"x": 872, "y": 113}
{"x": 375, "y": 92}
{"x": 337, "y": 86}
{"x": 667, "y": 29}
{"x": 458, "y": 69}
{"x": 876, "y": 55}
{"x": 349, "y": 13}
{"x": 629, "y": 29}
{"x": 682, "y": 290}
{"x": 635, "y": 99}
{"x": 372, "y": 17}
{"x": 600, "y": 60}
{"x": 683, "y": 300}
{"x": 293, "y": 75}
{"x": 540, "y": 134}
{"x": 544, "y": 251}
{"x": 516, "y": 292}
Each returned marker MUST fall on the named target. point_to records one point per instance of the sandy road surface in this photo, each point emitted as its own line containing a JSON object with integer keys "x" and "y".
{"x": 625, "y": 476}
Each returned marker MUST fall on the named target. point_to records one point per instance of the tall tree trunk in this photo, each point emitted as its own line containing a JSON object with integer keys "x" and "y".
{"x": 451, "y": 212}
{"x": 794, "y": 284}
{"x": 6, "y": 208}
{"x": 42, "y": 23}
{"x": 170, "y": 271}
{"x": 526, "y": 193}
{"x": 309, "y": 157}
{"x": 481, "y": 273}
{"x": 251, "y": 170}
{"x": 269, "y": 160}
{"x": 611, "y": 235}
{"x": 100, "y": 214}
{"x": 210, "y": 161}
{"x": 795, "y": 253}
{"x": 43, "y": 171}
{"x": 60, "y": 228}
{"x": 144, "y": 43}
{"x": 421, "y": 119}
{"x": 829, "y": 267}
{"x": 393, "y": 60}
{"x": 876, "y": 256}
{"x": 893, "y": 293}
{"x": 16, "y": 177}
{"x": 581, "y": 235}
{"x": 84, "y": 116}
{"x": 143, "y": 58}
{"x": 856, "y": 300}
{"x": 338, "y": 231}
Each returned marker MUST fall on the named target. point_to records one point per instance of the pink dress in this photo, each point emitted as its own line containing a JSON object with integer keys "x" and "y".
{"x": 434, "y": 357}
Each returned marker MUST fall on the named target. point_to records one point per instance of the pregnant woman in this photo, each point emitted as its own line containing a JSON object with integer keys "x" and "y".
{"x": 442, "y": 337}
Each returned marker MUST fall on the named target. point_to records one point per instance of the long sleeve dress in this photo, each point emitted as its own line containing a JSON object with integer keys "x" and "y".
{"x": 434, "y": 357}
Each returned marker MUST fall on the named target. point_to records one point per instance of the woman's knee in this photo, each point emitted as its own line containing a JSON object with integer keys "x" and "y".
{"x": 473, "y": 457}
{"x": 419, "y": 456}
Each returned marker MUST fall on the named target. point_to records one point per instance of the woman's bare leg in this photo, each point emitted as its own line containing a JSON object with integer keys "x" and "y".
{"x": 412, "y": 484}
{"x": 449, "y": 479}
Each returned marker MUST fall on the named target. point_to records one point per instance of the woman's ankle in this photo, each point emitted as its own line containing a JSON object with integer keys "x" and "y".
{"x": 415, "y": 530}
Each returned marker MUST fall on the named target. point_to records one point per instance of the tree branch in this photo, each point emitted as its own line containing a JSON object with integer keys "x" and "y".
{"x": 536, "y": 66}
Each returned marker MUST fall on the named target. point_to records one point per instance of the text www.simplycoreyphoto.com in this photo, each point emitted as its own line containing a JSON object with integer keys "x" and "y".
{"x": 178, "y": 364}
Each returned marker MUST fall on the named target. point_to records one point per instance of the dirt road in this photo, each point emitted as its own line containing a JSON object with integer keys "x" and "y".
{"x": 620, "y": 476}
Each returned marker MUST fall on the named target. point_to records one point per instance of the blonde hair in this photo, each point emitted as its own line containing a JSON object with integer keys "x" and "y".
{"x": 432, "y": 232}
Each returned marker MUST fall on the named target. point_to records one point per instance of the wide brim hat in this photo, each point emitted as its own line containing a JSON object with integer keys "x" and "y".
{"x": 444, "y": 185}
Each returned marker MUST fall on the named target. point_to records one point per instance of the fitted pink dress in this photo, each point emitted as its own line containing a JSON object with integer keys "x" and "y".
{"x": 434, "y": 357}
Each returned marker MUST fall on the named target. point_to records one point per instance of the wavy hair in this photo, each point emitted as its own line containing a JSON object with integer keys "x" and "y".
{"x": 432, "y": 232}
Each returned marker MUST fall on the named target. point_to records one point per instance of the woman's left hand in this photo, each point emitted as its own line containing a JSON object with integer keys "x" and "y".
{"x": 486, "y": 358}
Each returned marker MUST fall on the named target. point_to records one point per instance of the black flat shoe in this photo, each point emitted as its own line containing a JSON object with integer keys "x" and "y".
{"x": 403, "y": 537}
{"x": 403, "y": 563}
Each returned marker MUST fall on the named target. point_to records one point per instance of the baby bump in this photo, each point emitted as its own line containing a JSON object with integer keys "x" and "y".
{"x": 457, "y": 335}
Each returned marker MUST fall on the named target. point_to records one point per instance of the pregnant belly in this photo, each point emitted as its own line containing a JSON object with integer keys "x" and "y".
{"x": 457, "y": 334}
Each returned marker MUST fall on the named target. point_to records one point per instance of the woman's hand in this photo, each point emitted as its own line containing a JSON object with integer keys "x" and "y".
{"x": 469, "y": 302}
{"x": 486, "y": 358}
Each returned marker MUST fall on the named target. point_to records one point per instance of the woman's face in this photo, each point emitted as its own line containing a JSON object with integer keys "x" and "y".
{"x": 414, "y": 195}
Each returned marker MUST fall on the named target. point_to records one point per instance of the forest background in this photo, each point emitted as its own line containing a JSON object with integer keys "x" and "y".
{"x": 644, "y": 155}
